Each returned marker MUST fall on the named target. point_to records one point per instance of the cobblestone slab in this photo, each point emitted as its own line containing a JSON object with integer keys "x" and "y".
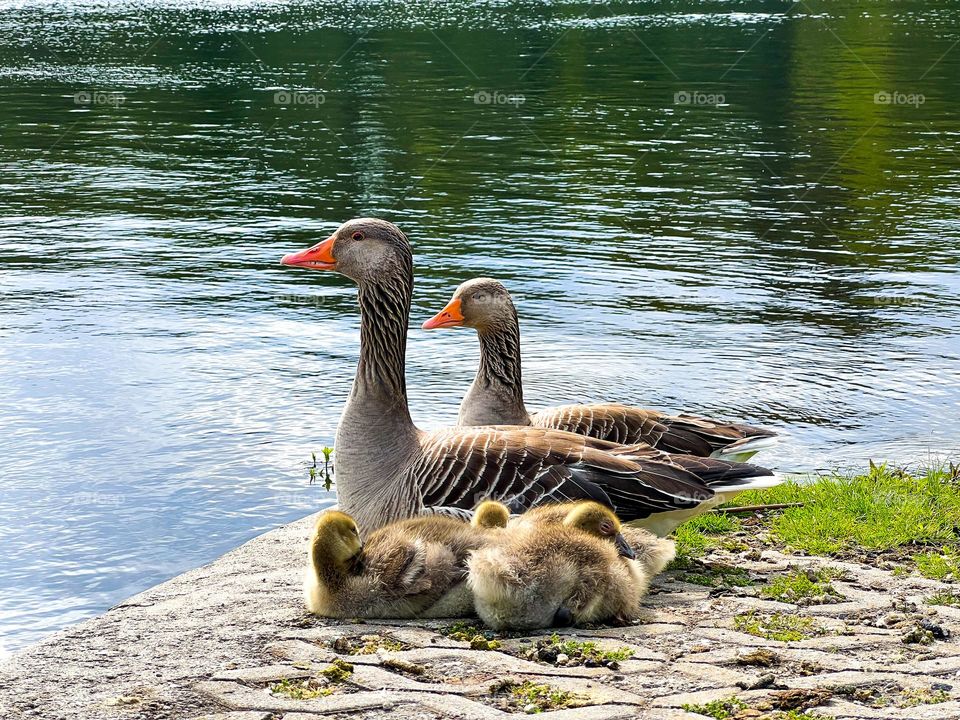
{"x": 227, "y": 642}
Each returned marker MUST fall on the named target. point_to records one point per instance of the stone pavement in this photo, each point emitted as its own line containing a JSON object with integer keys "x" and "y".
{"x": 230, "y": 641}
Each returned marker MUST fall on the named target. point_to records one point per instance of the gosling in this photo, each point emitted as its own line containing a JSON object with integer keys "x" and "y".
{"x": 651, "y": 551}
{"x": 545, "y": 574}
{"x": 490, "y": 515}
{"x": 412, "y": 568}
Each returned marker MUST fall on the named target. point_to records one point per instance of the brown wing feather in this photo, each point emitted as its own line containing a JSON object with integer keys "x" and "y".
{"x": 531, "y": 465}
{"x": 687, "y": 434}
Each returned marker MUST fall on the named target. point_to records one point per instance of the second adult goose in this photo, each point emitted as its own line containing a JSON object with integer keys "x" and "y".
{"x": 496, "y": 396}
{"x": 387, "y": 469}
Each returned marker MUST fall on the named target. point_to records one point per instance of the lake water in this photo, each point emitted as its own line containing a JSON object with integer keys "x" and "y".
{"x": 746, "y": 209}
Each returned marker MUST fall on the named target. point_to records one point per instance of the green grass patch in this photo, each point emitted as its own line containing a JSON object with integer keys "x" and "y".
{"x": 798, "y": 715}
{"x": 588, "y": 650}
{"x": 944, "y": 598}
{"x": 778, "y": 626}
{"x": 718, "y": 576}
{"x": 882, "y": 509}
{"x": 718, "y": 709}
{"x": 699, "y": 534}
{"x": 943, "y": 565}
{"x": 803, "y": 587}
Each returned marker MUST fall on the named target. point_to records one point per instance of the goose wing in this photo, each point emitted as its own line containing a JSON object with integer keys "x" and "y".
{"x": 528, "y": 466}
{"x": 686, "y": 434}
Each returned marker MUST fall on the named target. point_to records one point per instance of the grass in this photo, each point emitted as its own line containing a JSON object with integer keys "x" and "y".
{"x": 944, "y": 598}
{"x": 718, "y": 709}
{"x": 882, "y": 509}
{"x": 717, "y": 576}
{"x": 588, "y": 650}
{"x": 803, "y": 586}
{"x": 699, "y": 534}
{"x": 944, "y": 565}
{"x": 778, "y": 626}
{"x": 535, "y": 698}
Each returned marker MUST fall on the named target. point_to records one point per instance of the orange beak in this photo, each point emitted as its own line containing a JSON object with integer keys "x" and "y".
{"x": 318, "y": 257}
{"x": 450, "y": 316}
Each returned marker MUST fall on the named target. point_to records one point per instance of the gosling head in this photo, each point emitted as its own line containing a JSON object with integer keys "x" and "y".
{"x": 599, "y": 520}
{"x": 491, "y": 514}
{"x": 366, "y": 250}
{"x": 481, "y": 303}
{"x": 337, "y": 538}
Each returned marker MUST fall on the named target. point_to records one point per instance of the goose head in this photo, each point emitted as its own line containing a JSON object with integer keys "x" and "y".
{"x": 491, "y": 514}
{"x": 599, "y": 520}
{"x": 481, "y": 303}
{"x": 366, "y": 250}
{"x": 336, "y": 538}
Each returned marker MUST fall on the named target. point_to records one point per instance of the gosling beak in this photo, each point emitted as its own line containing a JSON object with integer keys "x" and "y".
{"x": 450, "y": 316}
{"x": 623, "y": 547}
{"x": 318, "y": 257}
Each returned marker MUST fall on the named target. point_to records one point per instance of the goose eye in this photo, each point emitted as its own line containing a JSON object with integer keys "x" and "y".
{"x": 357, "y": 236}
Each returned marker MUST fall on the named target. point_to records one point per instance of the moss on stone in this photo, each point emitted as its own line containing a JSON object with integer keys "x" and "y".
{"x": 718, "y": 709}
{"x": 301, "y": 689}
{"x": 532, "y": 698}
{"x": 339, "y": 671}
{"x": 805, "y": 587}
{"x": 783, "y": 627}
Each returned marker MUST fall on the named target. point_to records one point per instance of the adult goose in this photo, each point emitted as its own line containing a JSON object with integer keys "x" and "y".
{"x": 387, "y": 469}
{"x": 496, "y": 395}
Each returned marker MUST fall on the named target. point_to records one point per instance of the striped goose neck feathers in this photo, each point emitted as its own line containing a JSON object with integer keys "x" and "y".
{"x": 384, "y": 311}
{"x": 499, "y": 370}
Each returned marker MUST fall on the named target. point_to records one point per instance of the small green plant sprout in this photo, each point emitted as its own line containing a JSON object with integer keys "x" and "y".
{"x": 718, "y": 709}
{"x": 324, "y": 473}
{"x": 803, "y": 587}
{"x": 300, "y": 689}
{"x": 778, "y": 626}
